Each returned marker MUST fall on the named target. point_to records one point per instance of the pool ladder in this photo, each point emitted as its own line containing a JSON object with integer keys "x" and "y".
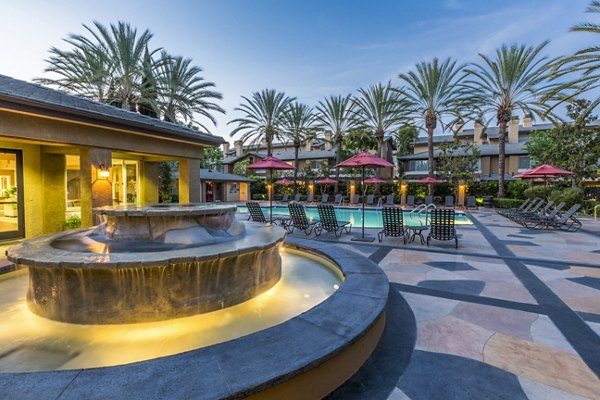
{"x": 424, "y": 208}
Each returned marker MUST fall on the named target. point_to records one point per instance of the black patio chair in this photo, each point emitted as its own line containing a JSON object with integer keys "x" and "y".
{"x": 566, "y": 222}
{"x": 532, "y": 221}
{"x": 370, "y": 200}
{"x": 328, "y": 221}
{"x": 299, "y": 220}
{"x": 256, "y": 213}
{"x": 442, "y": 226}
{"x": 356, "y": 199}
{"x": 524, "y": 205}
{"x": 471, "y": 202}
{"x": 285, "y": 198}
{"x": 393, "y": 223}
{"x": 539, "y": 213}
{"x": 310, "y": 198}
{"x": 338, "y": 199}
{"x": 449, "y": 201}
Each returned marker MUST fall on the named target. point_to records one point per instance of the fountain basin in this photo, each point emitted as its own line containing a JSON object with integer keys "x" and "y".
{"x": 126, "y": 287}
{"x": 305, "y": 357}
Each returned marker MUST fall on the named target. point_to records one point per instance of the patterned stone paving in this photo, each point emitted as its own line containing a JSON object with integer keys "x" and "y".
{"x": 512, "y": 314}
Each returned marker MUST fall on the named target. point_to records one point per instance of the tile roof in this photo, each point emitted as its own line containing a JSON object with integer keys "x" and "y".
{"x": 216, "y": 176}
{"x": 287, "y": 155}
{"x": 484, "y": 149}
{"x": 17, "y": 93}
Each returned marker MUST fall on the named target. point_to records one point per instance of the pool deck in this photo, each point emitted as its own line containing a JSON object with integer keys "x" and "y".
{"x": 511, "y": 314}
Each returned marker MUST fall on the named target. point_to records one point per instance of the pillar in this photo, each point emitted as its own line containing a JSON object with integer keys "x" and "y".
{"x": 311, "y": 188}
{"x": 352, "y": 190}
{"x": 189, "y": 180}
{"x": 461, "y": 194}
{"x": 149, "y": 187}
{"x": 54, "y": 192}
{"x": 403, "y": 192}
{"x": 95, "y": 191}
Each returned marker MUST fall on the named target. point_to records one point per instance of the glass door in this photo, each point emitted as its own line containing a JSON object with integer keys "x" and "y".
{"x": 12, "y": 220}
{"x": 125, "y": 181}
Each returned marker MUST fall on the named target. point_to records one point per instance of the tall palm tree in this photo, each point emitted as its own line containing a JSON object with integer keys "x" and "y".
{"x": 518, "y": 78}
{"x": 263, "y": 117}
{"x": 108, "y": 65}
{"x": 299, "y": 127}
{"x": 335, "y": 114}
{"x": 585, "y": 62}
{"x": 182, "y": 92}
{"x": 380, "y": 108}
{"x": 434, "y": 95}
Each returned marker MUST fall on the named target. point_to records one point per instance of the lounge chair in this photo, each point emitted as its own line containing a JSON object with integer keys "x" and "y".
{"x": 329, "y": 222}
{"x": 325, "y": 198}
{"x": 534, "y": 207}
{"x": 428, "y": 200}
{"x": 389, "y": 200}
{"x": 338, "y": 199}
{"x": 532, "y": 221}
{"x": 356, "y": 199}
{"x": 256, "y": 213}
{"x": 509, "y": 213}
{"x": 523, "y": 205}
{"x": 299, "y": 220}
{"x": 297, "y": 197}
{"x": 566, "y": 222}
{"x": 310, "y": 198}
{"x": 442, "y": 226}
{"x": 539, "y": 213}
{"x": 410, "y": 200}
{"x": 471, "y": 202}
{"x": 393, "y": 223}
{"x": 285, "y": 198}
{"x": 449, "y": 201}
{"x": 370, "y": 200}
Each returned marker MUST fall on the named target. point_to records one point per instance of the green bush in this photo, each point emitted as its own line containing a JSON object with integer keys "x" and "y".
{"x": 260, "y": 196}
{"x": 588, "y": 206}
{"x": 570, "y": 196}
{"x": 482, "y": 188}
{"x": 506, "y": 203}
{"x": 73, "y": 222}
{"x": 536, "y": 191}
{"x": 515, "y": 189}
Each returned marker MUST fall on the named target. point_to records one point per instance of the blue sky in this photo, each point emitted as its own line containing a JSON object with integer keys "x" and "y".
{"x": 308, "y": 49}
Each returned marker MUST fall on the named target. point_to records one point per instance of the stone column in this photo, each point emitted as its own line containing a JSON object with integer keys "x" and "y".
{"x": 95, "y": 191}
{"x": 460, "y": 202}
{"x": 352, "y": 190}
{"x": 149, "y": 187}
{"x": 311, "y": 188}
{"x": 403, "y": 191}
{"x": 189, "y": 180}
{"x": 54, "y": 192}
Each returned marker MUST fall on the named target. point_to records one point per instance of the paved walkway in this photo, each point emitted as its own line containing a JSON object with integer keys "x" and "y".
{"x": 512, "y": 314}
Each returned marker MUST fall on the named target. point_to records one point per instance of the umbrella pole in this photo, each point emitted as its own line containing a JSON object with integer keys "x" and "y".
{"x": 363, "y": 202}
{"x": 271, "y": 200}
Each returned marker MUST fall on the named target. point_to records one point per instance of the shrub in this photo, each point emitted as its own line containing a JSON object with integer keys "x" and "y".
{"x": 260, "y": 196}
{"x": 588, "y": 206}
{"x": 536, "y": 191}
{"x": 73, "y": 222}
{"x": 515, "y": 189}
{"x": 506, "y": 203}
{"x": 482, "y": 188}
{"x": 570, "y": 196}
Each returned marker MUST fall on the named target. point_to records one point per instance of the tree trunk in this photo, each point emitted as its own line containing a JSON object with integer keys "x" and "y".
{"x": 430, "y": 159}
{"x": 296, "y": 150}
{"x": 338, "y": 159}
{"x": 501, "y": 158}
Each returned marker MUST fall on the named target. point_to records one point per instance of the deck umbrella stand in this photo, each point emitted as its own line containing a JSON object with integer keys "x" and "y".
{"x": 364, "y": 160}
{"x": 270, "y": 164}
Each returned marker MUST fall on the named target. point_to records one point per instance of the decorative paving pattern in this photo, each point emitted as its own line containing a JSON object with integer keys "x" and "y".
{"x": 512, "y": 314}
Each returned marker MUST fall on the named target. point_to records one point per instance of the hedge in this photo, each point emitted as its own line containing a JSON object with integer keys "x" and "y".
{"x": 506, "y": 203}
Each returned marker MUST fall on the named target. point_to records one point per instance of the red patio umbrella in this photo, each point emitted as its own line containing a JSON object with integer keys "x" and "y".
{"x": 326, "y": 181}
{"x": 429, "y": 180}
{"x": 547, "y": 169}
{"x": 374, "y": 180}
{"x": 284, "y": 181}
{"x": 364, "y": 160}
{"x": 270, "y": 164}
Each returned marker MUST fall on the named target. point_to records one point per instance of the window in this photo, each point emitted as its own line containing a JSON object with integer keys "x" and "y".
{"x": 418, "y": 166}
{"x": 524, "y": 163}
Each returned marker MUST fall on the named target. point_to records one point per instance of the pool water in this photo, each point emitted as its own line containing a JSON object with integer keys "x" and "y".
{"x": 373, "y": 217}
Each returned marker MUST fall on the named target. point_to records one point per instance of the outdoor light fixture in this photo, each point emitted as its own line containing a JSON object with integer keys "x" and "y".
{"x": 103, "y": 172}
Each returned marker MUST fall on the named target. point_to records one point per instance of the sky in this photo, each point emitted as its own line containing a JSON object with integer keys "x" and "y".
{"x": 308, "y": 49}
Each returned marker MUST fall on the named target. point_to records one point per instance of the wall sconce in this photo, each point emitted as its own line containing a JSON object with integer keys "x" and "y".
{"x": 403, "y": 187}
{"x": 103, "y": 172}
{"x": 461, "y": 187}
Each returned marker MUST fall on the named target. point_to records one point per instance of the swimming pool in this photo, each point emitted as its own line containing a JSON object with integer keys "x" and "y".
{"x": 354, "y": 215}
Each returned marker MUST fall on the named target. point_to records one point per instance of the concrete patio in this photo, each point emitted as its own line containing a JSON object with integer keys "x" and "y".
{"x": 512, "y": 314}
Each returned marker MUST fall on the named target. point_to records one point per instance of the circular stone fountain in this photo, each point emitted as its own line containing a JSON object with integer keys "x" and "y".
{"x": 144, "y": 264}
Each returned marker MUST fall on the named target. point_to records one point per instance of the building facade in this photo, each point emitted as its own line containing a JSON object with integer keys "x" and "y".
{"x": 63, "y": 155}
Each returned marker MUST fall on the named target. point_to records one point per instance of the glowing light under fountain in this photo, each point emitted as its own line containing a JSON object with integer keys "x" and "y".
{"x": 143, "y": 265}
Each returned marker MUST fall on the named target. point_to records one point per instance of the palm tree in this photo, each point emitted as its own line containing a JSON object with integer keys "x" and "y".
{"x": 434, "y": 95}
{"x": 182, "y": 92}
{"x": 263, "y": 117}
{"x": 298, "y": 127}
{"x": 380, "y": 108}
{"x": 585, "y": 62}
{"x": 335, "y": 115}
{"x": 108, "y": 66}
{"x": 517, "y": 79}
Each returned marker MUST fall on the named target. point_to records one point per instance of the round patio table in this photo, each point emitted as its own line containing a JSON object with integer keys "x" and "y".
{"x": 416, "y": 230}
